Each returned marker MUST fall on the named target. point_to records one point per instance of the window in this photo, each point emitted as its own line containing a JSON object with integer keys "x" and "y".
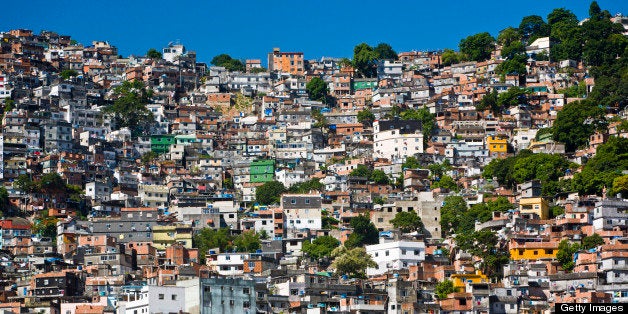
{"x": 161, "y": 296}
{"x": 293, "y": 201}
{"x": 246, "y": 291}
{"x": 246, "y": 304}
{"x": 174, "y": 297}
{"x": 387, "y": 253}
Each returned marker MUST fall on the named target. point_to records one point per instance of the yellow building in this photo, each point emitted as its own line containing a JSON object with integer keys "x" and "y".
{"x": 497, "y": 145}
{"x": 528, "y": 250}
{"x": 164, "y": 236}
{"x": 460, "y": 280}
{"x": 534, "y": 205}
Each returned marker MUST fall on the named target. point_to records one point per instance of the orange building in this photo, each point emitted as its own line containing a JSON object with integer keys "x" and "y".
{"x": 286, "y": 62}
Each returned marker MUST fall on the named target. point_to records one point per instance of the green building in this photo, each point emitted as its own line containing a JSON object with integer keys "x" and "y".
{"x": 262, "y": 171}
{"x": 185, "y": 139}
{"x": 160, "y": 144}
{"x": 366, "y": 83}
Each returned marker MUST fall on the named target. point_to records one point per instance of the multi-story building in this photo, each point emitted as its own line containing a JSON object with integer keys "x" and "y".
{"x": 227, "y": 295}
{"x": 397, "y": 139}
{"x": 609, "y": 214}
{"x": 165, "y": 236}
{"x": 302, "y": 211}
{"x": 133, "y": 224}
{"x": 286, "y": 62}
{"x": 391, "y": 255}
{"x": 262, "y": 171}
{"x": 497, "y": 145}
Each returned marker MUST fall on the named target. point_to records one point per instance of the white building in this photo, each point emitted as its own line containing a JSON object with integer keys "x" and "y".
{"x": 171, "y": 52}
{"x": 389, "y": 69}
{"x": 5, "y": 92}
{"x": 394, "y": 255}
{"x": 227, "y": 264}
{"x": 302, "y": 211}
{"x": 539, "y": 45}
{"x": 397, "y": 139}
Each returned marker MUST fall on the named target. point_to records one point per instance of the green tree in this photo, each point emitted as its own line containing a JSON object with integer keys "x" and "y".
{"x": 565, "y": 254}
{"x": 152, "y": 53}
{"x": 9, "y": 104}
{"x": 307, "y": 186}
{"x": 364, "y": 232}
{"x": 508, "y": 36}
{"x": 515, "y": 65}
{"x": 67, "y": 74}
{"x": 592, "y": 241}
{"x": 566, "y": 35}
{"x": 407, "y": 221}
{"x": 317, "y": 89}
{"x": 444, "y": 288}
{"x": 556, "y": 211}
{"x": 46, "y": 226}
{"x": 247, "y": 241}
{"x": 129, "y": 107}
{"x": 321, "y": 120}
{"x": 561, "y": 15}
{"x": 478, "y": 47}
{"x": 344, "y": 62}
{"x": 379, "y": 177}
{"x": 526, "y": 166}
{"x": 361, "y": 171}
{"x": 486, "y": 245}
{"x": 269, "y": 193}
{"x": 352, "y": 262}
{"x": 149, "y": 157}
{"x": 328, "y": 221}
{"x": 620, "y": 186}
{"x": 207, "y": 239}
{"x": 611, "y": 158}
{"x": 364, "y": 58}
{"x": 385, "y": 52}
{"x": 52, "y": 183}
{"x": 516, "y": 50}
{"x": 320, "y": 247}
{"x": 411, "y": 163}
{"x": 258, "y": 70}
{"x": 601, "y": 46}
{"x": 576, "y": 122}
{"x": 449, "y": 57}
{"x": 489, "y": 101}
{"x": 577, "y": 90}
{"x": 25, "y": 184}
{"x": 445, "y": 182}
{"x": 225, "y": 60}
{"x": 533, "y": 27}
{"x": 513, "y": 97}
{"x": 366, "y": 117}
{"x": 4, "y": 200}
{"x": 451, "y": 214}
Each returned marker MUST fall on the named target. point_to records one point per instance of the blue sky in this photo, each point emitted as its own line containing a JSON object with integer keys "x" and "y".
{"x": 250, "y": 29}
